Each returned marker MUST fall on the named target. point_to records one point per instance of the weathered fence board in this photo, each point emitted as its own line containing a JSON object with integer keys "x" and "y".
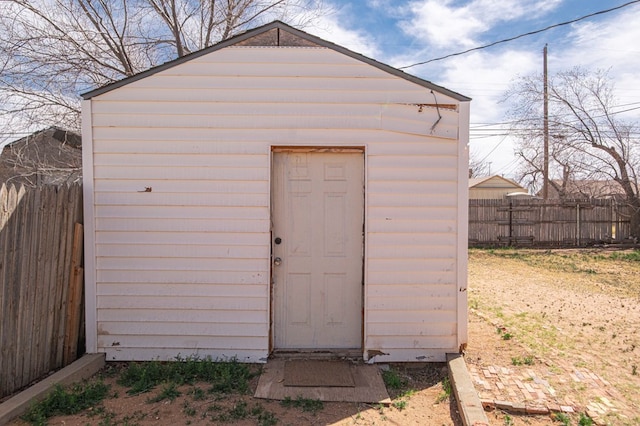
{"x": 36, "y": 273}
{"x": 547, "y": 222}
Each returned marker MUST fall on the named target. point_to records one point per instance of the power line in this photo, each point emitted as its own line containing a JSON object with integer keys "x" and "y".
{"x": 601, "y": 12}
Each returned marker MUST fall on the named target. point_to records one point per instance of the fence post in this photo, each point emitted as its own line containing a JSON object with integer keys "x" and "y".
{"x": 578, "y": 224}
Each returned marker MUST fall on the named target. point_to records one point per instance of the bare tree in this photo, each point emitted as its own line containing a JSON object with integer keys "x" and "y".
{"x": 478, "y": 167}
{"x": 588, "y": 140}
{"x": 51, "y": 50}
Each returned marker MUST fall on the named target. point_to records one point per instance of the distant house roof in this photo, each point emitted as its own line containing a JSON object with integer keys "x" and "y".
{"x": 494, "y": 187}
{"x": 276, "y": 33}
{"x": 49, "y": 156}
{"x": 494, "y": 182}
{"x": 588, "y": 188}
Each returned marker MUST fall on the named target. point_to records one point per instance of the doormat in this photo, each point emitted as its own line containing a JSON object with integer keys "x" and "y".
{"x": 369, "y": 386}
{"x": 314, "y": 373}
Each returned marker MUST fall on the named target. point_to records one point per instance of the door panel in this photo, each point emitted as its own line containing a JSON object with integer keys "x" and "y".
{"x": 318, "y": 205}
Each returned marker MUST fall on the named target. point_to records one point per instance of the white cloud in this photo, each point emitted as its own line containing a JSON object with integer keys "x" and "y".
{"x": 333, "y": 27}
{"x": 608, "y": 42}
{"x": 443, "y": 24}
{"x": 485, "y": 77}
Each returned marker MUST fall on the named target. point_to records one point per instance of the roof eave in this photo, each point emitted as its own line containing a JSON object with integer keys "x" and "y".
{"x": 256, "y": 31}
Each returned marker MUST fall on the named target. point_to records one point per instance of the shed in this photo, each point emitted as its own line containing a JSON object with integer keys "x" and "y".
{"x": 52, "y": 156}
{"x": 494, "y": 188}
{"x": 275, "y": 193}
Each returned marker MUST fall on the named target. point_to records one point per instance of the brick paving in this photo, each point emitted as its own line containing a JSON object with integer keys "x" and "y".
{"x": 530, "y": 390}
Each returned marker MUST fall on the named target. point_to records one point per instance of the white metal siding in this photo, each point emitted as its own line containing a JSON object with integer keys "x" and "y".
{"x": 181, "y": 169}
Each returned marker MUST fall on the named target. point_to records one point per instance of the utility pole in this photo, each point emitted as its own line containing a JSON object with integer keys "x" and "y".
{"x": 545, "y": 129}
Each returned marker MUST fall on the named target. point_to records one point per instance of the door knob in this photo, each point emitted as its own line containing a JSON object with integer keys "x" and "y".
{"x": 277, "y": 261}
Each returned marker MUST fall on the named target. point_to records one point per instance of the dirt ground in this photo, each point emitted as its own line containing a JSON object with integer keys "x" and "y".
{"x": 574, "y": 314}
{"x": 565, "y": 322}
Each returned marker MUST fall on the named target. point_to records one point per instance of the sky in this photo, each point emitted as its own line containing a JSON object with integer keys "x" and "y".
{"x": 405, "y": 32}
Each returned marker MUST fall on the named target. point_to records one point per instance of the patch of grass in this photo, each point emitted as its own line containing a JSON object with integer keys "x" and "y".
{"x": 198, "y": 394}
{"x": 518, "y": 360}
{"x": 400, "y": 405}
{"x": 267, "y": 418}
{"x": 561, "y": 418}
{"x": 169, "y": 391}
{"x": 239, "y": 411}
{"x": 70, "y": 401}
{"x": 504, "y": 334}
{"x": 306, "y": 404}
{"x": 633, "y": 256}
{"x": 585, "y": 420}
{"x": 446, "y": 391}
{"x": 393, "y": 380}
{"x": 142, "y": 377}
{"x": 224, "y": 376}
{"x": 508, "y": 420}
{"x": 474, "y": 304}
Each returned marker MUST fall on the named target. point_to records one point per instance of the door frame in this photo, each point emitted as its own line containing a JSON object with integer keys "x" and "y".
{"x": 321, "y": 149}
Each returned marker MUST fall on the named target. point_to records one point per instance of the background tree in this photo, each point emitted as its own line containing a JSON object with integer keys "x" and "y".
{"x": 52, "y": 50}
{"x": 588, "y": 139}
{"x": 478, "y": 167}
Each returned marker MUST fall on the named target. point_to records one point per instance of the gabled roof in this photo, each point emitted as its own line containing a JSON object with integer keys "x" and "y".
{"x": 493, "y": 182}
{"x": 276, "y": 33}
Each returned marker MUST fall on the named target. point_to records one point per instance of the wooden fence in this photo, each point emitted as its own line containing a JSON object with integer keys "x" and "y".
{"x": 547, "y": 223}
{"x": 40, "y": 282}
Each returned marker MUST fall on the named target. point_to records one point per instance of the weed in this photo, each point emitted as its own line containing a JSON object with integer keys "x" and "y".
{"x": 446, "y": 391}
{"x": 267, "y": 419}
{"x": 562, "y": 418}
{"x": 393, "y": 380}
{"x": 408, "y": 393}
{"x": 66, "y": 402}
{"x": 224, "y": 376}
{"x": 138, "y": 415}
{"x": 508, "y": 420}
{"x": 239, "y": 411}
{"x": 634, "y": 370}
{"x": 169, "y": 392}
{"x": 142, "y": 377}
{"x": 198, "y": 394}
{"x": 527, "y": 360}
{"x": 400, "y": 405}
{"x": 108, "y": 419}
{"x": 585, "y": 420}
{"x": 306, "y": 404}
{"x": 188, "y": 409}
{"x": 633, "y": 256}
{"x": 504, "y": 334}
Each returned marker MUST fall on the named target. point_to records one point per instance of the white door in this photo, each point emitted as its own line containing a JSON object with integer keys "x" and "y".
{"x": 317, "y": 241}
